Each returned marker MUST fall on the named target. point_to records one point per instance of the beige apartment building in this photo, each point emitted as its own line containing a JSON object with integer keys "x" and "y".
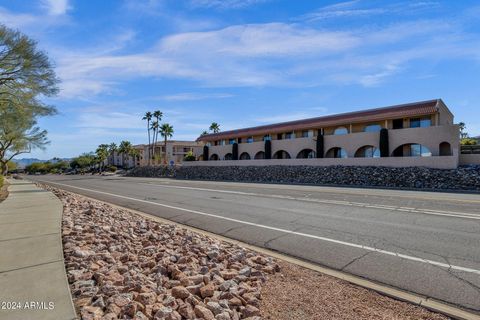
{"x": 414, "y": 134}
{"x": 176, "y": 151}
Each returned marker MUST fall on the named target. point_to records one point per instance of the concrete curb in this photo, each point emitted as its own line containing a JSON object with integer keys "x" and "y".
{"x": 424, "y": 301}
{"x": 33, "y": 280}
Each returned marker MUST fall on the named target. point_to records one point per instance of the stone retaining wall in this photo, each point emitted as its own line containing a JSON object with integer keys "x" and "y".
{"x": 463, "y": 178}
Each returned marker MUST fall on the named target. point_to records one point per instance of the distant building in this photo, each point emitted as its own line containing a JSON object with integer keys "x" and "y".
{"x": 176, "y": 152}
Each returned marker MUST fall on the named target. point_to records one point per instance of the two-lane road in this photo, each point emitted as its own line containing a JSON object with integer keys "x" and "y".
{"x": 427, "y": 243}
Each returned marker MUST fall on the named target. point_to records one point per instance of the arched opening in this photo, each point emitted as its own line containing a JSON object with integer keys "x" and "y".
{"x": 281, "y": 154}
{"x": 306, "y": 154}
{"x": 367, "y": 152}
{"x": 340, "y": 131}
{"x": 445, "y": 149}
{"x": 260, "y": 155}
{"x": 214, "y": 157}
{"x": 228, "y": 156}
{"x": 336, "y": 152}
{"x": 244, "y": 156}
{"x": 412, "y": 150}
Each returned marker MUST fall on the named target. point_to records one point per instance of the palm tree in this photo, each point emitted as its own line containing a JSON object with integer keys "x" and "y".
{"x": 112, "y": 148}
{"x": 204, "y": 133}
{"x": 102, "y": 154}
{"x": 166, "y": 131}
{"x": 148, "y": 117}
{"x": 134, "y": 153}
{"x": 125, "y": 149}
{"x": 158, "y": 117}
{"x": 215, "y": 127}
{"x": 154, "y": 128}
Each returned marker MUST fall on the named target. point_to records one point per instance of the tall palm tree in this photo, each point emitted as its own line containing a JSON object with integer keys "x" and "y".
{"x": 154, "y": 128}
{"x": 125, "y": 149}
{"x": 148, "y": 117}
{"x": 112, "y": 148}
{"x": 166, "y": 131}
{"x": 158, "y": 117}
{"x": 204, "y": 133}
{"x": 215, "y": 127}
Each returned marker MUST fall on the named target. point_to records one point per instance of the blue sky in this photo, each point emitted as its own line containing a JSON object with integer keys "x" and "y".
{"x": 244, "y": 62}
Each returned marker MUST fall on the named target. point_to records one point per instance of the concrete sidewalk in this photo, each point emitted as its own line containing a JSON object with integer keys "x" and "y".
{"x": 33, "y": 282}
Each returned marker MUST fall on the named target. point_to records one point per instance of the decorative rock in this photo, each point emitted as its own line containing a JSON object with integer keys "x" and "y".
{"x": 203, "y": 313}
{"x": 180, "y": 292}
{"x": 207, "y": 291}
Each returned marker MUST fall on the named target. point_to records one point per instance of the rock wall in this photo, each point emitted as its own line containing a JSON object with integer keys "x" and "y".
{"x": 463, "y": 178}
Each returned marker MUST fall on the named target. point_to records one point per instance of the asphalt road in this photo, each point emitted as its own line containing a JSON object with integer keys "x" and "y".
{"x": 427, "y": 243}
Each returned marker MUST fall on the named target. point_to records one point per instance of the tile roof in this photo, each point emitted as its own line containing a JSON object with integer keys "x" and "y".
{"x": 370, "y": 115}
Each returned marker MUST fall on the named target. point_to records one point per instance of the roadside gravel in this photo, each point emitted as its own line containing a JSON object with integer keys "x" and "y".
{"x": 124, "y": 266}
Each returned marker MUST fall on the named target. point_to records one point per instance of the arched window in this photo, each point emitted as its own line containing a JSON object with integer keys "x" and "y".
{"x": 244, "y": 156}
{"x": 445, "y": 149}
{"x": 306, "y": 154}
{"x": 372, "y": 128}
{"x": 412, "y": 150}
{"x": 367, "y": 152}
{"x": 214, "y": 157}
{"x": 340, "y": 130}
{"x": 260, "y": 155}
{"x": 228, "y": 156}
{"x": 281, "y": 154}
{"x": 336, "y": 153}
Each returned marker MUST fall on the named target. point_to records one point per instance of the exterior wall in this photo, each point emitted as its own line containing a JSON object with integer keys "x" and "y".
{"x": 431, "y": 137}
{"x": 446, "y": 162}
{"x": 466, "y": 159}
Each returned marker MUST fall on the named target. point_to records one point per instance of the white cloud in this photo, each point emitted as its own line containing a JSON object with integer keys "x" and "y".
{"x": 271, "y": 54}
{"x": 224, "y": 4}
{"x": 190, "y": 96}
{"x": 56, "y": 7}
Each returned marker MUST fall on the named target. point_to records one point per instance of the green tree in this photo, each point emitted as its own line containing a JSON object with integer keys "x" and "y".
{"x": 166, "y": 131}
{"x": 148, "y": 117}
{"x": 204, "y": 133}
{"x": 112, "y": 148}
{"x": 102, "y": 155}
{"x": 25, "y": 75}
{"x": 154, "y": 127}
{"x": 125, "y": 148}
{"x": 135, "y": 154}
{"x": 82, "y": 162}
{"x": 215, "y": 127}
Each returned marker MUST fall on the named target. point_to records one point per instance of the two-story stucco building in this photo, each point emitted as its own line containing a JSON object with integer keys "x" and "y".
{"x": 420, "y": 133}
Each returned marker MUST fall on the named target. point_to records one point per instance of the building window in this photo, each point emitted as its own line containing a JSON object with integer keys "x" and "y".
{"x": 267, "y": 137}
{"x": 231, "y": 141}
{"x": 397, "y": 124}
{"x": 420, "y": 122}
{"x": 412, "y": 150}
{"x": 340, "y": 131}
{"x": 279, "y": 136}
{"x": 222, "y": 142}
{"x": 367, "y": 152}
{"x": 208, "y": 144}
{"x": 305, "y": 134}
{"x": 373, "y": 128}
{"x": 249, "y": 139}
{"x": 336, "y": 153}
{"x": 239, "y": 140}
{"x": 289, "y": 135}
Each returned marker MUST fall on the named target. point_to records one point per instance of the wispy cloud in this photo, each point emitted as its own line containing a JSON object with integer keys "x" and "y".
{"x": 224, "y": 4}
{"x": 57, "y": 7}
{"x": 190, "y": 96}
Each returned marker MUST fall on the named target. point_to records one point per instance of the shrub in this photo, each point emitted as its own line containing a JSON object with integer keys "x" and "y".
{"x": 468, "y": 142}
{"x": 111, "y": 168}
{"x": 189, "y": 156}
{"x": 1, "y": 181}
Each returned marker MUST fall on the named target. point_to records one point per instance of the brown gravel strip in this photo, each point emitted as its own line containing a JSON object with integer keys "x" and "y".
{"x": 124, "y": 266}
{"x": 298, "y": 293}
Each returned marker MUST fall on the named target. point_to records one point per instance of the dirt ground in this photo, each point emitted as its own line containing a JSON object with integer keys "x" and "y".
{"x": 297, "y": 293}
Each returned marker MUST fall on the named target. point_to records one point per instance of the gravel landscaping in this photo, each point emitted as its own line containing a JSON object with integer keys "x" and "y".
{"x": 463, "y": 178}
{"x": 121, "y": 265}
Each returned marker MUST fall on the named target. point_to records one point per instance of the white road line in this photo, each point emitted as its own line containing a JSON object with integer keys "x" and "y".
{"x": 463, "y": 215}
{"x": 354, "y": 245}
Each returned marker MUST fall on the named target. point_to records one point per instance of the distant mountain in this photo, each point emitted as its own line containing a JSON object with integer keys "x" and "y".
{"x": 22, "y": 163}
